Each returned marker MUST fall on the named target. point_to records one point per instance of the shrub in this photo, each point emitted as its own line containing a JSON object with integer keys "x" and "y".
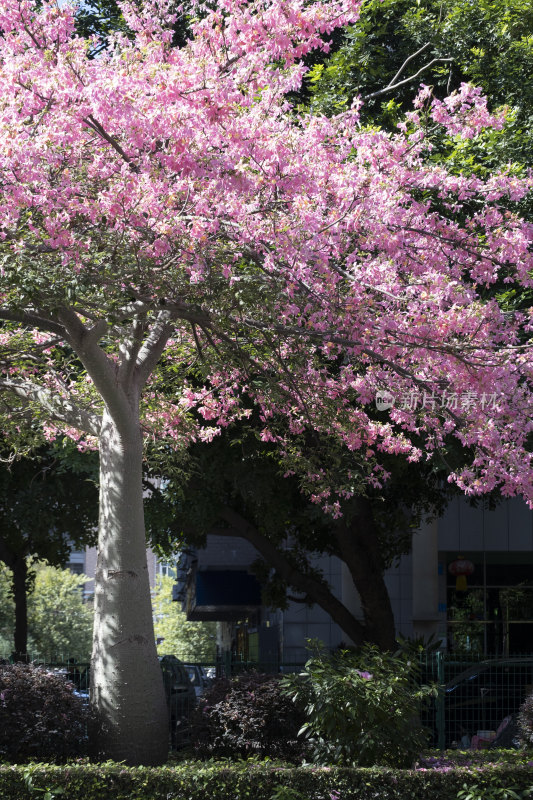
{"x": 361, "y": 708}
{"x": 525, "y": 721}
{"x": 40, "y": 716}
{"x": 248, "y": 715}
{"x": 260, "y": 781}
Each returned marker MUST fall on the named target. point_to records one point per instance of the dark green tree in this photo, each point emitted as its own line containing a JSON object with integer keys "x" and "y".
{"x": 48, "y": 504}
{"x": 236, "y": 487}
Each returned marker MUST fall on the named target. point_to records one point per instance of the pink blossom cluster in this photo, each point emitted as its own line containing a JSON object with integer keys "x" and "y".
{"x": 310, "y": 263}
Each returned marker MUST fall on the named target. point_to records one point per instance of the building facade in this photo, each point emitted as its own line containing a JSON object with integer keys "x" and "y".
{"x": 492, "y": 615}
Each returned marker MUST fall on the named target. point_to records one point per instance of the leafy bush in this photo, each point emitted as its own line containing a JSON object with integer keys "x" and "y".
{"x": 260, "y": 781}
{"x": 40, "y": 716}
{"x": 248, "y": 715}
{"x": 525, "y": 721}
{"x": 361, "y": 708}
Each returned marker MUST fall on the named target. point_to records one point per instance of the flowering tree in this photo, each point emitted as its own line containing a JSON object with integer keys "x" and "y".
{"x": 173, "y": 235}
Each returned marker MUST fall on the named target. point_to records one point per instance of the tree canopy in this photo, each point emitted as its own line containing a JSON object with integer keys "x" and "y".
{"x": 175, "y": 235}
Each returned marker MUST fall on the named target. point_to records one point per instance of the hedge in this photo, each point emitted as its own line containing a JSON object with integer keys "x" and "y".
{"x": 262, "y": 781}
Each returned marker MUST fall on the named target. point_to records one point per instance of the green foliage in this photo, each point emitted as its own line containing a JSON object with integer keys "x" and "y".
{"x": 99, "y": 18}
{"x": 248, "y": 715}
{"x": 488, "y": 43}
{"x": 48, "y": 504}
{"x": 189, "y": 641}
{"x": 59, "y": 621}
{"x": 7, "y": 610}
{"x": 286, "y": 793}
{"x": 255, "y": 780}
{"x": 361, "y": 708}
{"x": 60, "y": 482}
{"x": 475, "y": 792}
{"x": 525, "y": 720}
{"x": 40, "y": 716}
{"x": 46, "y": 794}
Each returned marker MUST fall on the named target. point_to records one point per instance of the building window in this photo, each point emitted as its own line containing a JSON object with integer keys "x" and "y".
{"x": 494, "y": 616}
{"x": 166, "y": 569}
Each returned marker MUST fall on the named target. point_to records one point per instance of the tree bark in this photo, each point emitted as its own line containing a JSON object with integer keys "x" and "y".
{"x": 19, "y": 567}
{"x": 359, "y": 549}
{"x": 20, "y": 595}
{"x": 126, "y": 681}
{"x": 317, "y": 591}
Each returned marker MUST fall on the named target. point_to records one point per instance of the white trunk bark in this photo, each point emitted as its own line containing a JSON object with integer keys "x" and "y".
{"x": 126, "y": 682}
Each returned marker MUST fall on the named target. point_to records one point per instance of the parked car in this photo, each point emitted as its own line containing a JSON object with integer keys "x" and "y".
{"x": 480, "y": 697}
{"x": 181, "y": 697}
{"x": 198, "y": 678}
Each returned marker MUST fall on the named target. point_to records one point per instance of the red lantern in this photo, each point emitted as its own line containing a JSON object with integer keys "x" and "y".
{"x": 461, "y": 567}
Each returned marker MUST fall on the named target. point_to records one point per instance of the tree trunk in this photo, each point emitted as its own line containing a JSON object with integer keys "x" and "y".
{"x": 359, "y": 549}
{"x": 126, "y": 681}
{"x": 316, "y": 590}
{"x": 20, "y": 595}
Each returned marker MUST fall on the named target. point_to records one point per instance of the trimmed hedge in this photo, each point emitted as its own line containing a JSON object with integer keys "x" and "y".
{"x": 263, "y": 781}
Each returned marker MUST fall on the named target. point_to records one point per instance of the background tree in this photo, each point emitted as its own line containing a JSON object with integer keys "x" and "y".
{"x": 7, "y": 611}
{"x": 164, "y": 212}
{"x": 398, "y": 44}
{"x": 59, "y": 621}
{"x": 189, "y": 641}
{"x": 235, "y": 487}
{"x": 48, "y": 505}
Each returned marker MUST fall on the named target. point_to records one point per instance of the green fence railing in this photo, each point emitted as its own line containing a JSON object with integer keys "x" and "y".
{"x": 474, "y": 695}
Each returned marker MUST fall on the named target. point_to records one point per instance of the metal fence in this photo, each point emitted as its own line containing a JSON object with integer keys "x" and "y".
{"x": 474, "y": 695}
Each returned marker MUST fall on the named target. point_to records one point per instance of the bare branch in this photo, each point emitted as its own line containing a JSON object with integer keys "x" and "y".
{"x": 391, "y": 88}
{"x": 405, "y": 63}
{"x": 59, "y": 408}
{"x": 33, "y": 319}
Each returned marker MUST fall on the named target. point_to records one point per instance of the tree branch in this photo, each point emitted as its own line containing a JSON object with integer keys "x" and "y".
{"x": 59, "y": 408}
{"x": 153, "y": 348}
{"x": 392, "y": 87}
{"x": 129, "y": 350}
{"x": 317, "y": 591}
{"x": 99, "y": 366}
{"x": 96, "y": 126}
{"x": 33, "y": 319}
